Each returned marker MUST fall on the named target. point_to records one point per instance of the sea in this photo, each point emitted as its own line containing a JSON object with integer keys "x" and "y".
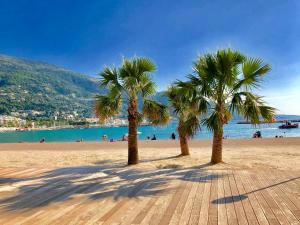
{"x": 231, "y": 130}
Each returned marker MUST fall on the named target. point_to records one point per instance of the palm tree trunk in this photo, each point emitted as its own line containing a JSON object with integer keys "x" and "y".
{"x": 133, "y": 156}
{"x": 216, "y": 156}
{"x": 183, "y": 142}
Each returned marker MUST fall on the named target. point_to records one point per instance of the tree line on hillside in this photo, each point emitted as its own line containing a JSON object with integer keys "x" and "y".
{"x": 221, "y": 84}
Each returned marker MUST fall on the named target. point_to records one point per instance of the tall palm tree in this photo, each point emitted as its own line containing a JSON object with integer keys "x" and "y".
{"x": 126, "y": 84}
{"x": 185, "y": 103}
{"x": 227, "y": 80}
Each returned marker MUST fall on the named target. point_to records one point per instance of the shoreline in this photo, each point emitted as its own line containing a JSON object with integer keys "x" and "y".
{"x": 115, "y": 143}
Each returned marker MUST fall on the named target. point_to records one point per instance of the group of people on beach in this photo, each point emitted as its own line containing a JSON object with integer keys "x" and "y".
{"x": 125, "y": 138}
{"x": 104, "y": 137}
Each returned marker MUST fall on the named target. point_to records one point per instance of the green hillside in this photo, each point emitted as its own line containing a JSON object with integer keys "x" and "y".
{"x": 31, "y": 85}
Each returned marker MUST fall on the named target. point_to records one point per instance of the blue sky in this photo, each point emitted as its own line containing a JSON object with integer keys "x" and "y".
{"x": 86, "y": 35}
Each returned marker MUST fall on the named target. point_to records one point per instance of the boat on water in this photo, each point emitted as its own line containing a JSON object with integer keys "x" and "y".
{"x": 288, "y": 125}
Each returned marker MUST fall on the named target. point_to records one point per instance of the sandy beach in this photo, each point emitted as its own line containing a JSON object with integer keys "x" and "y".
{"x": 269, "y": 153}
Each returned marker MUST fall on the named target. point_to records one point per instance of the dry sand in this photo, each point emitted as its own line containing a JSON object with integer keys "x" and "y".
{"x": 266, "y": 153}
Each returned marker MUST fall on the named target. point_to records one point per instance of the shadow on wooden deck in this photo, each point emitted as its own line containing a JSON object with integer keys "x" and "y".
{"x": 241, "y": 197}
{"x": 105, "y": 180}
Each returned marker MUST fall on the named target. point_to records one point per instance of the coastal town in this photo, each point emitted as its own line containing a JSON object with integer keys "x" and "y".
{"x": 33, "y": 120}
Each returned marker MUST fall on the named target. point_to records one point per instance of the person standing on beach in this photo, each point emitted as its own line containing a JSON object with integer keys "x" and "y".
{"x": 173, "y": 136}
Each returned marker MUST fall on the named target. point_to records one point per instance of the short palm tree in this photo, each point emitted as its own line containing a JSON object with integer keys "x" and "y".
{"x": 227, "y": 79}
{"x": 185, "y": 104}
{"x": 126, "y": 84}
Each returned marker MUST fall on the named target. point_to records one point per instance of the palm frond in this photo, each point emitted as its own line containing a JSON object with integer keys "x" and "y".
{"x": 131, "y": 85}
{"x": 136, "y": 67}
{"x": 109, "y": 76}
{"x": 107, "y": 106}
{"x": 146, "y": 85}
{"x": 252, "y": 107}
{"x": 143, "y": 65}
{"x": 191, "y": 125}
{"x": 214, "y": 121}
{"x": 253, "y": 70}
{"x": 135, "y": 74}
{"x": 236, "y": 104}
{"x": 179, "y": 97}
{"x": 267, "y": 113}
{"x": 157, "y": 113}
{"x": 140, "y": 117}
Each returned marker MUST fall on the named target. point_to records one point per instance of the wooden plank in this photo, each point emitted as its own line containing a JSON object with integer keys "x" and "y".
{"x": 222, "y": 213}
{"x": 70, "y": 210}
{"x": 289, "y": 199}
{"x": 195, "y": 212}
{"x": 286, "y": 206}
{"x": 156, "y": 212}
{"x": 7, "y": 170}
{"x": 184, "y": 209}
{"x": 258, "y": 211}
{"x": 121, "y": 207}
{"x": 174, "y": 202}
{"x": 264, "y": 205}
{"x": 204, "y": 217}
{"x": 230, "y": 210}
{"x": 269, "y": 199}
{"x": 177, "y": 214}
{"x": 238, "y": 206}
{"x": 30, "y": 193}
{"x": 18, "y": 174}
{"x": 142, "y": 214}
{"x": 287, "y": 190}
{"x": 159, "y": 214}
{"x": 51, "y": 196}
{"x": 213, "y": 208}
{"x": 90, "y": 211}
{"x": 136, "y": 208}
{"x": 251, "y": 218}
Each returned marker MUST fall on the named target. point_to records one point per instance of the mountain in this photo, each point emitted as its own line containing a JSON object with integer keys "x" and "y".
{"x": 30, "y": 85}
{"x": 27, "y": 85}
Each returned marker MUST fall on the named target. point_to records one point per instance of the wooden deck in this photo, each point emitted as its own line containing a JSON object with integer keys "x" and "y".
{"x": 128, "y": 195}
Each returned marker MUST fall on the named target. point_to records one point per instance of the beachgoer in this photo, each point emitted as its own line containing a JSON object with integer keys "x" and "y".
{"x": 173, "y": 136}
{"x": 125, "y": 137}
{"x": 154, "y": 137}
{"x": 104, "y": 137}
{"x": 258, "y": 134}
{"x": 148, "y": 137}
{"x": 42, "y": 140}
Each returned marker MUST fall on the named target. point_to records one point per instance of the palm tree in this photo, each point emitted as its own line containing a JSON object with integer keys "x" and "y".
{"x": 127, "y": 84}
{"x": 185, "y": 103}
{"x": 227, "y": 80}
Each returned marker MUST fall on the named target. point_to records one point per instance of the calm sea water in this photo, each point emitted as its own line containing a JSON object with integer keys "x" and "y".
{"x": 232, "y": 130}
